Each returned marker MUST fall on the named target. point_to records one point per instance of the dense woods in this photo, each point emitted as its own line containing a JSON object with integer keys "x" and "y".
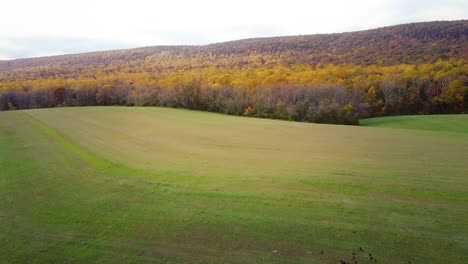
{"x": 338, "y": 78}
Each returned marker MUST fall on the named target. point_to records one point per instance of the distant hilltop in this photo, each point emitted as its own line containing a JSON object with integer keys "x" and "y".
{"x": 413, "y": 43}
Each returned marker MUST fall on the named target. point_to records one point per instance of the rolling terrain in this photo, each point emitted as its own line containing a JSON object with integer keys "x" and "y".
{"x": 414, "y": 43}
{"x": 442, "y": 123}
{"x": 417, "y": 68}
{"x": 161, "y": 185}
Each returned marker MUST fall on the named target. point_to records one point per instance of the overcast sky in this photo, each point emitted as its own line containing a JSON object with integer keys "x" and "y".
{"x": 30, "y": 28}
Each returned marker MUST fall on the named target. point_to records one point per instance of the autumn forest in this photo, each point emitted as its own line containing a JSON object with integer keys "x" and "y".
{"x": 337, "y": 78}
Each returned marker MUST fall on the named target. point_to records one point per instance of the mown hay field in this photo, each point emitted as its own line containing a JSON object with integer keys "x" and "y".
{"x": 135, "y": 185}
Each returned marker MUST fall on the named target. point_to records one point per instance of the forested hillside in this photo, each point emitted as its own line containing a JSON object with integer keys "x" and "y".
{"x": 414, "y": 68}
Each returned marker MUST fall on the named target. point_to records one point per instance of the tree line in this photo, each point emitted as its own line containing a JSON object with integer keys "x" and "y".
{"x": 323, "y": 93}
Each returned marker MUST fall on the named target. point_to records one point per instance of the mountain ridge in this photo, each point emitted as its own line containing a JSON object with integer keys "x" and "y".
{"x": 411, "y": 43}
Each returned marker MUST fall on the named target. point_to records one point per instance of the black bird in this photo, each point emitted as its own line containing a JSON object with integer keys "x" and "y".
{"x": 360, "y": 249}
{"x": 321, "y": 251}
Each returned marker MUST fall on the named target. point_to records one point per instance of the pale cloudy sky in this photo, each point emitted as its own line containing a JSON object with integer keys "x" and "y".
{"x": 30, "y": 28}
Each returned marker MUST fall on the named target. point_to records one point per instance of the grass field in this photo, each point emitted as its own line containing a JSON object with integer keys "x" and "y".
{"x": 134, "y": 185}
{"x": 442, "y": 123}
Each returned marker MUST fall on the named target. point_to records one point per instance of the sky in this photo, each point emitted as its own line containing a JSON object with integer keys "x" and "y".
{"x": 32, "y": 28}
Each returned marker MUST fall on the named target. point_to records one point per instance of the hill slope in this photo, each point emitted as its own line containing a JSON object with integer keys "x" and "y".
{"x": 163, "y": 185}
{"x": 443, "y": 123}
{"x": 418, "y": 68}
{"x": 408, "y": 43}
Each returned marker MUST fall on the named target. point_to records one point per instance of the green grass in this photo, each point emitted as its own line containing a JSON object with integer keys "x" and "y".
{"x": 135, "y": 185}
{"x": 443, "y": 123}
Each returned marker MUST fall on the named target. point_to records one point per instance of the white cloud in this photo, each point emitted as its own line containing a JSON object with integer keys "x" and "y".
{"x": 4, "y": 57}
{"x": 145, "y": 22}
